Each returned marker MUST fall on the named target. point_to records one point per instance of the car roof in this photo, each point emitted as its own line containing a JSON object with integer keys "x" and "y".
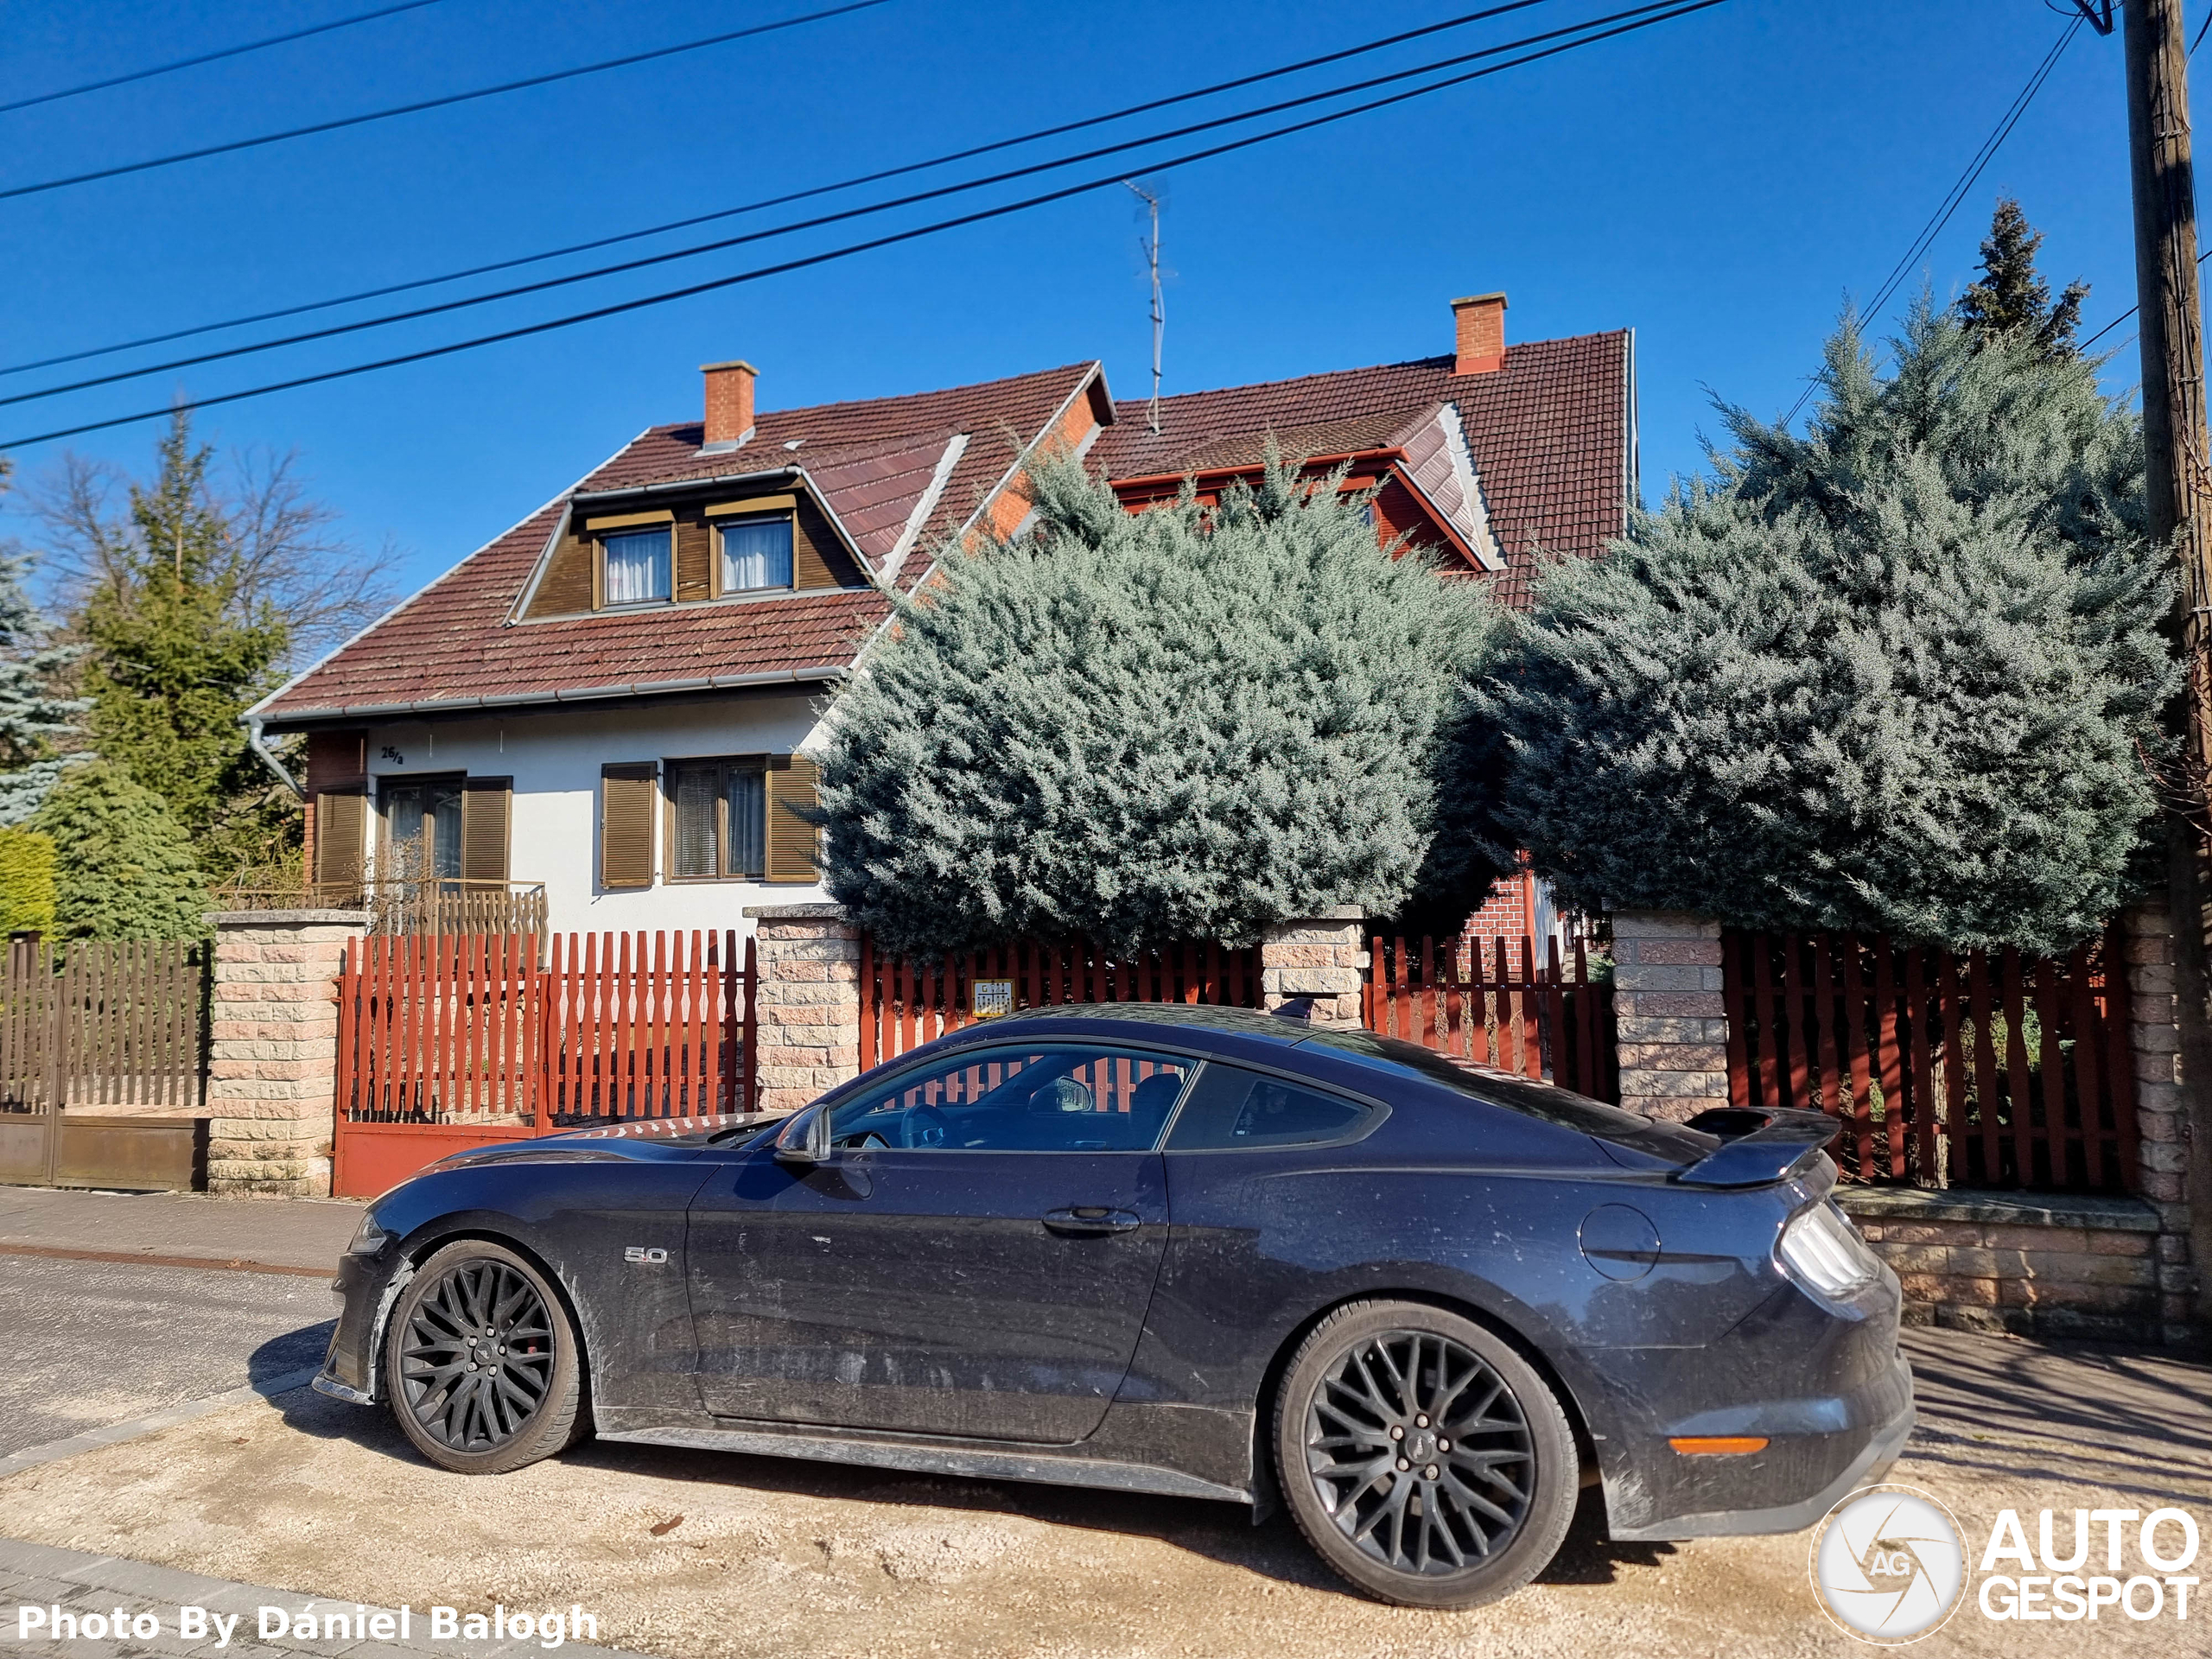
{"x": 1201, "y": 1020}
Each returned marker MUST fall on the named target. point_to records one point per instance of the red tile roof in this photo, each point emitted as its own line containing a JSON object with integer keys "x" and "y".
{"x": 455, "y": 644}
{"x": 1549, "y": 432}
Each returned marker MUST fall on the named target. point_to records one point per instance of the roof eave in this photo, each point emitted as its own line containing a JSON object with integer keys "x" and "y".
{"x": 813, "y": 673}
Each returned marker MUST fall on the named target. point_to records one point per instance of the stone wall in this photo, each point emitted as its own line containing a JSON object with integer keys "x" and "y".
{"x": 1315, "y": 965}
{"x": 2028, "y": 1263}
{"x": 1670, "y": 1023}
{"x": 2161, "y": 1115}
{"x": 808, "y": 1002}
{"x": 272, "y": 1056}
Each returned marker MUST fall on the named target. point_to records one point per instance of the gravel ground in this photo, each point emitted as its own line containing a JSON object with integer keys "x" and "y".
{"x": 771, "y": 1557}
{"x": 87, "y": 1343}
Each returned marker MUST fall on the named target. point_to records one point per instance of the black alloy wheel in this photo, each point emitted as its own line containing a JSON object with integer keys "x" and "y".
{"x": 482, "y": 1361}
{"x": 1423, "y": 1457}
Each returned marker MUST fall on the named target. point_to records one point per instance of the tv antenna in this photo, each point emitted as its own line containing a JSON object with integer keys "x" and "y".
{"x": 1151, "y": 246}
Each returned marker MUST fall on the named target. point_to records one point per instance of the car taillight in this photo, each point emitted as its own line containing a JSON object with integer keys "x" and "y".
{"x": 1822, "y": 1250}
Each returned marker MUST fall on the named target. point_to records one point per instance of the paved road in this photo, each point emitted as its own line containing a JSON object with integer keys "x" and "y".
{"x": 89, "y": 1344}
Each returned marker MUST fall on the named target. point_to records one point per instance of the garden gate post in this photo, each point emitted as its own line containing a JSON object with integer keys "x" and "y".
{"x": 1318, "y": 962}
{"x": 2163, "y": 1151}
{"x": 808, "y": 1035}
{"x": 272, "y": 1059}
{"x": 1670, "y": 1019}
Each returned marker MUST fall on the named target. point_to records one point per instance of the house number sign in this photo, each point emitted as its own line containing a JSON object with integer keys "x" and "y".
{"x": 988, "y": 999}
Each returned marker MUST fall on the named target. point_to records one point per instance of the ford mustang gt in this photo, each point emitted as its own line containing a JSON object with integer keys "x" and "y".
{"x": 1170, "y": 1249}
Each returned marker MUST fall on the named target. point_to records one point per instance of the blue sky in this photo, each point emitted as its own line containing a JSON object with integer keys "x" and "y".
{"x": 1720, "y": 183}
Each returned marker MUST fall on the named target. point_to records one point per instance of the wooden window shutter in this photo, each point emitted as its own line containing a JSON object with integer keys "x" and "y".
{"x": 487, "y": 809}
{"x": 794, "y": 840}
{"x": 625, "y": 824}
{"x": 340, "y": 826}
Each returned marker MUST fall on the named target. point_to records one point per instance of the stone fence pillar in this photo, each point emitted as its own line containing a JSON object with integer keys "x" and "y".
{"x": 808, "y": 1002}
{"x": 1671, "y": 1020}
{"x": 272, "y": 1061}
{"x": 2163, "y": 1148}
{"x": 1317, "y": 963}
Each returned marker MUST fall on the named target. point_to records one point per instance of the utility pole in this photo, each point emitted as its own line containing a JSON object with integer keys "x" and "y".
{"x": 1158, "y": 310}
{"x": 2178, "y": 491}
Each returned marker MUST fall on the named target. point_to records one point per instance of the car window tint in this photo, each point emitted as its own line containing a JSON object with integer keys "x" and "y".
{"x": 1023, "y": 1098}
{"x": 1233, "y": 1107}
{"x": 1389, "y": 1055}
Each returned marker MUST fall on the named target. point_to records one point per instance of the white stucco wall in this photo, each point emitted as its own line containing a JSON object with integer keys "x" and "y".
{"x": 555, "y": 759}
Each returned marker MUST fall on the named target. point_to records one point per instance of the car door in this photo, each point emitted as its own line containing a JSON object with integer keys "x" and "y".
{"x": 973, "y": 1257}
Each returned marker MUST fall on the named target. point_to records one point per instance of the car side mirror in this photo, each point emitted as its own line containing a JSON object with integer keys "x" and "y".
{"x": 805, "y": 1138}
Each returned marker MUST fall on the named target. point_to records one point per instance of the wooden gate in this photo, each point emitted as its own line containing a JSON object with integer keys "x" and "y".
{"x": 103, "y": 1065}
{"x": 904, "y": 1004}
{"x": 1484, "y": 1001}
{"x": 1941, "y": 1070}
{"x": 448, "y": 1042}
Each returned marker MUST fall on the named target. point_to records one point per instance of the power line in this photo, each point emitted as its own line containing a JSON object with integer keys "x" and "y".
{"x": 778, "y": 202}
{"x": 212, "y": 57}
{"x": 2132, "y": 309}
{"x": 914, "y": 199}
{"x": 1104, "y": 182}
{"x": 1957, "y": 194}
{"x": 450, "y": 99}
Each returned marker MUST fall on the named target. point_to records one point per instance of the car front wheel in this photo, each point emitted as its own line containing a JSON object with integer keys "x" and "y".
{"x": 482, "y": 1361}
{"x": 1425, "y": 1460}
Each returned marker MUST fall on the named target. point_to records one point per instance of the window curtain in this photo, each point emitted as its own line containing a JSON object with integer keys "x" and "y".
{"x": 756, "y": 553}
{"x": 637, "y": 567}
{"x": 748, "y": 822}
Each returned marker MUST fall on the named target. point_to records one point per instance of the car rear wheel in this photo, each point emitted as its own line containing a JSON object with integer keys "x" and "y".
{"x": 1425, "y": 1460}
{"x": 482, "y": 1361}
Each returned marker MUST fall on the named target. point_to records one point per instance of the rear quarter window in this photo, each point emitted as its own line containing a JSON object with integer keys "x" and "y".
{"x": 1233, "y": 1110}
{"x": 1412, "y": 1063}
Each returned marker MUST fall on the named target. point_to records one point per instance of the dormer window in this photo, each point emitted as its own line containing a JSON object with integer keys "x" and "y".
{"x": 634, "y": 566}
{"x": 756, "y": 552}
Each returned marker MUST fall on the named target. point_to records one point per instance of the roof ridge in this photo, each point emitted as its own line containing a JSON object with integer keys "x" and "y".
{"x": 1432, "y": 361}
{"x": 1083, "y": 366}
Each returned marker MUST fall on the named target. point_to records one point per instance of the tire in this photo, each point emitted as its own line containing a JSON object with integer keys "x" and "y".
{"x": 1398, "y": 1506}
{"x": 524, "y": 1402}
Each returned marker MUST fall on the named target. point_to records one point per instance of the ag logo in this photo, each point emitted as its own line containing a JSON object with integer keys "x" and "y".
{"x": 1888, "y": 1565}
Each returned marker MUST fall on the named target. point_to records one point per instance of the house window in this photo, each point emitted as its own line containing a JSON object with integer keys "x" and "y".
{"x": 636, "y": 567}
{"x": 719, "y": 821}
{"x": 421, "y": 829}
{"x": 756, "y": 553}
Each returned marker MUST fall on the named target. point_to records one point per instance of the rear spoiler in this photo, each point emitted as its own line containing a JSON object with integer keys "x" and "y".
{"x": 1757, "y": 1147}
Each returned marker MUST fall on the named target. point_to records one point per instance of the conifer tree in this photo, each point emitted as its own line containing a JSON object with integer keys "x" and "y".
{"x": 1179, "y": 724}
{"x": 124, "y": 867}
{"x": 175, "y": 658}
{"x": 2012, "y": 300}
{"x": 1900, "y": 674}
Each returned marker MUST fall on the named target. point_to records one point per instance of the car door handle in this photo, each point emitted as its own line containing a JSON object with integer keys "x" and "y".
{"x": 1090, "y": 1221}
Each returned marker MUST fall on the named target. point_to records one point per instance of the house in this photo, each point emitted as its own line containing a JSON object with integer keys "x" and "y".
{"x": 617, "y": 699}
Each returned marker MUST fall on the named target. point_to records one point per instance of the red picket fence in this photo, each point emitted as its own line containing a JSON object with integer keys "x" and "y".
{"x": 904, "y": 1004}
{"x": 449, "y": 1040}
{"x": 1940, "y": 1070}
{"x": 1484, "y": 1002}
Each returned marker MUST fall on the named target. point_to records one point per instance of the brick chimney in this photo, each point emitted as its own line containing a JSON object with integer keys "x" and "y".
{"x": 729, "y": 403}
{"x": 1481, "y": 319}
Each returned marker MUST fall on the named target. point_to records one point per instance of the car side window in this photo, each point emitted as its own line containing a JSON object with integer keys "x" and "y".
{"x": 1232, "y": 1108}
{"x": 1020, "y": 1097}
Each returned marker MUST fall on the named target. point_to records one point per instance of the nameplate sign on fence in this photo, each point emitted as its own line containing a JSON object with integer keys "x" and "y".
{"x": 990, "y": 998}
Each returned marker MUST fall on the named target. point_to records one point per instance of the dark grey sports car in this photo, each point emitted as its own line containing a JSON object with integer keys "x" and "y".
{"x": 1170, "y": 1249}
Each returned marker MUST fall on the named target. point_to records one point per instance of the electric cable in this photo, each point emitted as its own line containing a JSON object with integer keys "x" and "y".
{"x": 1106, "y": 181}
{"x": 722, "y": 244}
{"x": 416, "y": 108}
{"x": 1957, "y": 194}
{"x": 772, "y": 201}
{"x": 212, "y": 57}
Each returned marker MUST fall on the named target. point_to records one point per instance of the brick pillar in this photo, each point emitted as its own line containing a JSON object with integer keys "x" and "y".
{"x": 1670, "y": 1023}
{"x": 1318, "y": 962}
{"x": 2161, "y": 1114}
{"x": 808, "y": 1002}
{"x": 272, "y": 1059}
